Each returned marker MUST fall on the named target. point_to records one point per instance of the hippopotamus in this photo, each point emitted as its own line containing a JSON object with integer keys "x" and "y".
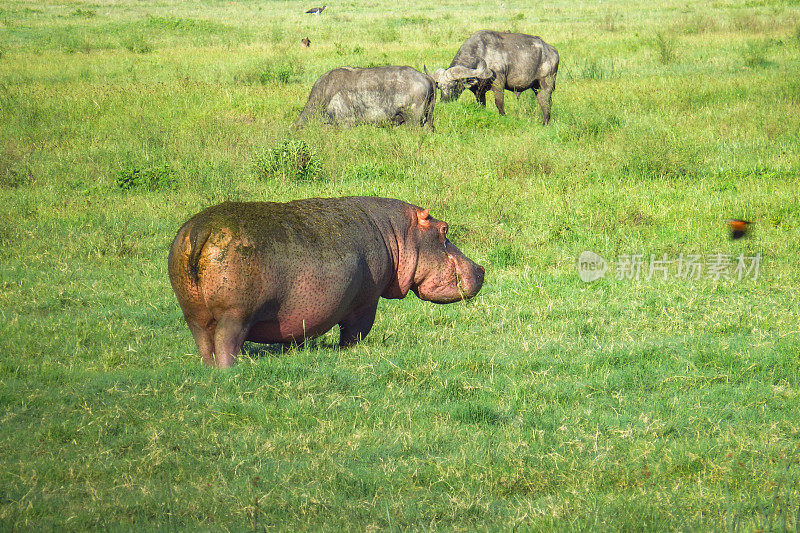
{"x": 285, "y": 272}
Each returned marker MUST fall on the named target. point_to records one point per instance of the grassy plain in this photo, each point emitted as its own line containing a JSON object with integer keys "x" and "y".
{"x": 545, "y": 403}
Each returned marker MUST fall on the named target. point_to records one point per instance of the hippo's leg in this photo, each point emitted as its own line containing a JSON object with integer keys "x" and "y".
{"x": 204, "y": 338}
{"x": 547, "y": 87}
{"x": 228, "y": 339}
{"x": 499, "y": 88}
{"x": 356, "y": 325}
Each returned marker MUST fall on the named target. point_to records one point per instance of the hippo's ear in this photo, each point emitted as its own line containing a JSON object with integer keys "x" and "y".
{"x": 424, "y": 218}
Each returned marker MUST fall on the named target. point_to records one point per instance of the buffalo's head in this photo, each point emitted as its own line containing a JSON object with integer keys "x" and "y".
{"x": 454, "y": 80}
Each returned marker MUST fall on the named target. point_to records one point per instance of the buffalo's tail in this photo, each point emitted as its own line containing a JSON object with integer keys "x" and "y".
{"x": 429, "y": 107}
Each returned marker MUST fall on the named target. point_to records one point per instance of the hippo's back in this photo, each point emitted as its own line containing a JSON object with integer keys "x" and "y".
{"x": 287, "y": 234}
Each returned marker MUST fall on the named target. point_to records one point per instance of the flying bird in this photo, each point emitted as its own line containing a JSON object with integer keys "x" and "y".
{"x": 738, "y": 228}
{"x": 306, "y": 42}
{"x": 316, "y": 10}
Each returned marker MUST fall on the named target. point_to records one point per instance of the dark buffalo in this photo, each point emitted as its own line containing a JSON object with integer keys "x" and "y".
{"x": 501, "y": 61}
{"x": 347, "y": 95}
{"x": 284, "y": 272}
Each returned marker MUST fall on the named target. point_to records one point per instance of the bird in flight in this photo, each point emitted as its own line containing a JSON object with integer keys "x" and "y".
{"x": 738, "y": 228}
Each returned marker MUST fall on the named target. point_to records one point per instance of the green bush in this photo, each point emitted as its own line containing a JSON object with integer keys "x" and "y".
{"x": 665, "y": 46}
{"x": 290, "y": 160}
{"x": 84, "y": 13}
{"x": 137, "y": 44}
{"x": 477, "y": 413}
{"x": 151, "y": 179}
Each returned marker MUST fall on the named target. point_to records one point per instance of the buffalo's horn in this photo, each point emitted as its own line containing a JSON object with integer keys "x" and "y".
{"x": 438, "y": 75}
{"x": 459, "y": 72}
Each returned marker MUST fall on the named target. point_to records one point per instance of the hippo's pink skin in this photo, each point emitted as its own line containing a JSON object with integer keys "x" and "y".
{"x": 281, "y": 273}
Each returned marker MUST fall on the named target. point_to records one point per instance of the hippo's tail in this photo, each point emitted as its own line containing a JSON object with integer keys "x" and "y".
{"x": 198, "y": 235}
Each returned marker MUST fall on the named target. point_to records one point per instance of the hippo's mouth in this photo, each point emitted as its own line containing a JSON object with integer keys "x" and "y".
{"x": 457, "y": 286}
{"x": 460, "y": 285}
{"x": 469, "y": 285}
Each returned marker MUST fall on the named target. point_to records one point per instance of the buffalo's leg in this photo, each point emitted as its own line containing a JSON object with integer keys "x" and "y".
{"x": 499, "y": 87}
{"x": 480, "y": 94}
{"x": 480, "y": 89}
{"x": 428, "y": 119}
{"x": 356, "y": 325}
{"x": 204, "y": 339}
{"x": 547, "y": 87}
{"x": 228, "y": 339}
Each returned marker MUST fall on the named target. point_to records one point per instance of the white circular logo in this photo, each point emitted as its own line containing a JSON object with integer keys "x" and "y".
{"x": 591, "y": 266}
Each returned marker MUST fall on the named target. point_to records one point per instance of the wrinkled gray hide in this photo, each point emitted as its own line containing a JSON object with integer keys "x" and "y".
{"x": 347, "y": 96}
{"x": 501, "y": 61}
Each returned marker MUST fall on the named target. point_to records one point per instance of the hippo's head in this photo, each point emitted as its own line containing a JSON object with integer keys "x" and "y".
{"x": 443, "y": 274}
{"x": 452, "y": 81}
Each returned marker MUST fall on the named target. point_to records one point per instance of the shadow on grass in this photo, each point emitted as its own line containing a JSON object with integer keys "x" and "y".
{"x": 255, "y": 350}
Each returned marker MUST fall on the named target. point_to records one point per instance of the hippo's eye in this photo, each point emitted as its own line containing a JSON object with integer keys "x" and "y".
{"x": 443, "y": 230}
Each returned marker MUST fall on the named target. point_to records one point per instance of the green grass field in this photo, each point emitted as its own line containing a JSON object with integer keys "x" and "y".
{"x": 544, "y": 403}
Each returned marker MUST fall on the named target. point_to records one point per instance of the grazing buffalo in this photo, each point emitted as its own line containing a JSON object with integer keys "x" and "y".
{"x": 284, "y": 272}
{"x": 501, "y": 61}
{"x": 350, "y": 95}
